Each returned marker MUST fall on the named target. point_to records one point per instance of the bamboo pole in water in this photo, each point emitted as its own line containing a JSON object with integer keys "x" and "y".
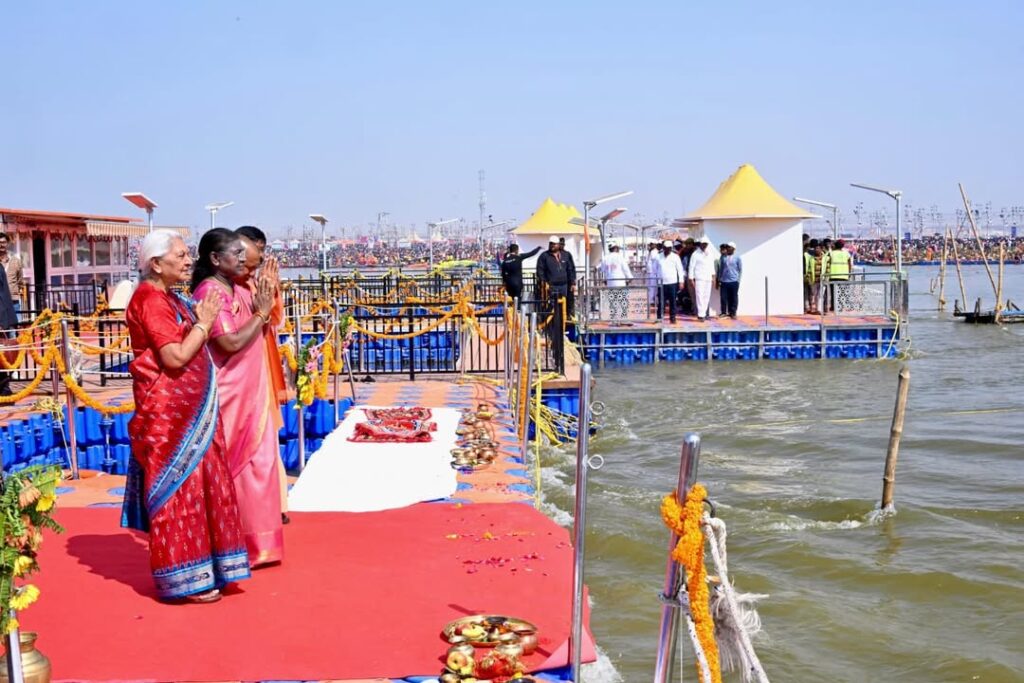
{"x": 999, "y": 286}
{"x": 942, "y": 271}
{"x": 959, "y": 273}
{"x": 893, "y": 452}
{"x": 977, "y": 237}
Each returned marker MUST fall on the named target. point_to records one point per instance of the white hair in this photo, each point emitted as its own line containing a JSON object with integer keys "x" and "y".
{"x": 156, "y": 244}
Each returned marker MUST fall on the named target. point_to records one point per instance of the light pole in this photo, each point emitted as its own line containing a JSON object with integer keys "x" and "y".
{"x": 898, "y": 196}
{"x": 430, "y": 237}
{"x": 490, "y": 239}
{"x": 213, "y": 209}
{"x": 826, "y": 205}
{"x": 322, "y": 220}
{"x": 601, "y": 223}
{"x": 587, "y": 206}
{"x": 143, "y": 202}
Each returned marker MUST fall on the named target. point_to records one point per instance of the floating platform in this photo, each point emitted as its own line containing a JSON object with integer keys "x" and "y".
{"x": 802, "y": 337}
{"x": 360, "y": 596}
{"x": 33, "y": 437}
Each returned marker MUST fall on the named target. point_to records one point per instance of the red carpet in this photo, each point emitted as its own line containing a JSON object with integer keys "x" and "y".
{"x": 359, "y": 596}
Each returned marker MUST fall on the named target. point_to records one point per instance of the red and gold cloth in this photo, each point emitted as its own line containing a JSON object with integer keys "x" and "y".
{"x": 395, "y": 425}
{"x": 179, "y": 488}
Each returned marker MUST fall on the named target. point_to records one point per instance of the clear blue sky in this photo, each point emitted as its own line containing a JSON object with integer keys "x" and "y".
{"x": 349, "y": 108}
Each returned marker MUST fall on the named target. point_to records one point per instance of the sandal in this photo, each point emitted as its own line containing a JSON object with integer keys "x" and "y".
{"x": 203, "y": 598}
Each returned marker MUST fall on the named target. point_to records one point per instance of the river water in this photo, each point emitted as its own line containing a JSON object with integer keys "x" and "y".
{"x": 933, "y": 593}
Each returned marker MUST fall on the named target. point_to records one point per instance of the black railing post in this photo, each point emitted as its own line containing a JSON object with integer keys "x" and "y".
{"x": 412, "y": 347}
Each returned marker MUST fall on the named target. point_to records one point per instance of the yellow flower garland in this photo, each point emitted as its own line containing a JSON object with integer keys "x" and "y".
{"x": 684, "y": 520}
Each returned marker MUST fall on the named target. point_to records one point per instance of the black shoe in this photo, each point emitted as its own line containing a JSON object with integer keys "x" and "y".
{"x": 285, "y": 519}
{"x": 6, "y": 391}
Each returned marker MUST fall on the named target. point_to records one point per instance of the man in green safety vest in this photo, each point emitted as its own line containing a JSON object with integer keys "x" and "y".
{"x": 839, "y": 267}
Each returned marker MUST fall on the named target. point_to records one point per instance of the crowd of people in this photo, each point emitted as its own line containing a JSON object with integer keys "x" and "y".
{"x": 205, "y": 480}
{"x": 681, "y": 276}
{"x": 929, "y": 249}
{"x": 379, "y": 253}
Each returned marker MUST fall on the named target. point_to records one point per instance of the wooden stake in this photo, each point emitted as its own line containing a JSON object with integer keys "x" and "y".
{"x": 959, "y": 273}
{"x": 942, "y": 271}
{"x": 999, "y": 287}
{"x": 889, "y": 479}
{"x": 977, "y": 237}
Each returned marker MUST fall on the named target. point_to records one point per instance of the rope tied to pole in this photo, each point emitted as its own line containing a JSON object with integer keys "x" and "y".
{"x": 685, "y": 520}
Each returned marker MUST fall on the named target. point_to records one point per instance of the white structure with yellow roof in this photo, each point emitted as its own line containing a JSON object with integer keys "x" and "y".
{"x": 768, "y": 233}
{"x": 552, "y": 218}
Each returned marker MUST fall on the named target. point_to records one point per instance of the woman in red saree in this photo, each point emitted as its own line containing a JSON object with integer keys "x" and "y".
{"x": 179, "y": 488}
{"x": 247, "y": 404}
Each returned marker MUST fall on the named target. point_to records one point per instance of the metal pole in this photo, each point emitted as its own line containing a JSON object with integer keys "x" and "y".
{"x": 517, "y": 364}
{"x": 213, "y": 218}
{"x": 530, "y": 357}
{"x": 835, "y": 222}
{"x": 149, "y": 215}
{"x": 337, "y": 359}
{"x": 351, "y": 379}
{"x": 298, "y": 401}
{"x": 580, "y": 521}
{"x": 766, "y": 301}
{"x": 69, "y": 397}
{"x": 15, "y": 673}
{"x": 584, "y": 292}
{"x": 899, "y": 238}
{"x": 689, "y": 458}
{"x": 323, "y": 244}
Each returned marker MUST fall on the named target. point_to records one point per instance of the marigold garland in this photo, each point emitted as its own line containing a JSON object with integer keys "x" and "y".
{"x": 684, "y": 520}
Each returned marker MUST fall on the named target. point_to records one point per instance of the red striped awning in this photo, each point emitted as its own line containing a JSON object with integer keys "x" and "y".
{"x": 112, "y": 229}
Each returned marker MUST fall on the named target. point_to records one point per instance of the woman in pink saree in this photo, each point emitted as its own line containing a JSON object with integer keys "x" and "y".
{"x": 247, "y": 405}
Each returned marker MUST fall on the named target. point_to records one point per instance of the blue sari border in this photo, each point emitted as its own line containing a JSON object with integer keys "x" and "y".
{"x": 203, "y": 575}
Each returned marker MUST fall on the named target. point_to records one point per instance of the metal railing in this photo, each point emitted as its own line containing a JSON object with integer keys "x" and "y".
{"x": 82, "y": 298}
{"x": 866, "y": 294}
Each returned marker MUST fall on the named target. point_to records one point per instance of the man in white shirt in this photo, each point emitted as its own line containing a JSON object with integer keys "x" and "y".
{"x": 673, "y": 279}
{"x": 616, "y": 269}
{"x": 702, "y": 272}
{"x": 654, "y": 258}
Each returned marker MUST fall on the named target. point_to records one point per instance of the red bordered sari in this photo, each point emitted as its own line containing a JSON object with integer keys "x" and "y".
{"x": 179, "y": 488}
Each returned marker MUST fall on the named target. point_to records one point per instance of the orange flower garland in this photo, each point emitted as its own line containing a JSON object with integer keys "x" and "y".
{"x": 684, "y": 520}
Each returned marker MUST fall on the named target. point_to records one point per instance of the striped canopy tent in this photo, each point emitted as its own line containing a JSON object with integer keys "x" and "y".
{"x": 62, "y": 249}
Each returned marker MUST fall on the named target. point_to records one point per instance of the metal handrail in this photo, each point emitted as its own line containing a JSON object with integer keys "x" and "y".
{"x": 675, "y": 575}
{"x": 583, "y": 465}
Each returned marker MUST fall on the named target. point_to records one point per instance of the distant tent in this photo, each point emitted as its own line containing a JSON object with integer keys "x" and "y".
{"x": 767, "y": 230}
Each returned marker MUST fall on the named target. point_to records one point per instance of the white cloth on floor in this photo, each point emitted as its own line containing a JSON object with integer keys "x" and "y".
{"x": 344, "y": 476}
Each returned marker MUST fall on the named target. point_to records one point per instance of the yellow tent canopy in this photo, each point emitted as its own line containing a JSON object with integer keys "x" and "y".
{"x": 745, "y": 194}
{"x": 551, "y": 218}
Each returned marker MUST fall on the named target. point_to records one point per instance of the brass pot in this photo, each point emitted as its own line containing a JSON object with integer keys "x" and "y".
{"x": 511, "y": 649}
{"x": 34, "y": 664}
{"x": 528, "y": 640}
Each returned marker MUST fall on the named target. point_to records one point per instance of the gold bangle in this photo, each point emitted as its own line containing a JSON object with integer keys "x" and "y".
{"x": 202, "y": 328}
{"x": 264, "y": 318}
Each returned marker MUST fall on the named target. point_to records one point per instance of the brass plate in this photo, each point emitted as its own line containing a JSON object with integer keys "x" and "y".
{"x": 506, "y": 624}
